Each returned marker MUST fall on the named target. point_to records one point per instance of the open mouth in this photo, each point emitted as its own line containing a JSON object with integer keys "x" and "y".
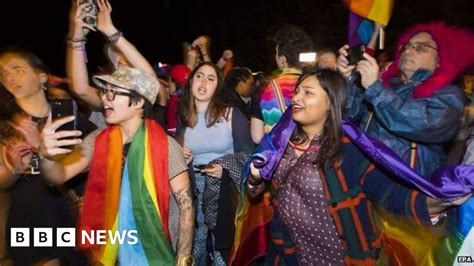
{"x": 297, "y": 108}
{"x": 108, "y": 111}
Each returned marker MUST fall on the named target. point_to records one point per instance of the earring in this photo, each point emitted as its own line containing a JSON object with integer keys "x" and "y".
{"x": 44, "y": 87}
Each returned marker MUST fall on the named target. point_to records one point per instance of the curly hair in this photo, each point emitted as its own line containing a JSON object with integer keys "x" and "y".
{"x": 291, "y": 41}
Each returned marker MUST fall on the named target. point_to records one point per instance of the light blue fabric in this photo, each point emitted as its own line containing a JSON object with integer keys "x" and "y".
{"x": 399, "y": 119}
{"x": 129, "y": 254}
{"x": 210, "y": 143}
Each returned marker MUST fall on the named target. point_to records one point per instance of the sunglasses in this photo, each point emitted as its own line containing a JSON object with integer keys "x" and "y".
{"x": 110, "y": 94}
{"x": 418, "y": 47}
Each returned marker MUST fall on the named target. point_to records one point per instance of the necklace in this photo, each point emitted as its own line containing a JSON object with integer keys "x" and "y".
{"x": 41, "y": 121}
{"x": 298, "y": 148}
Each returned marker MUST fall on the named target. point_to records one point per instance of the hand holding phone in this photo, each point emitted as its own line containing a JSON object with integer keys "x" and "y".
{"x": 91, "y": 9}
{"x": 63, "y": 108}
{"x": 200, "y": 167}
{"x": 354, "y": 54}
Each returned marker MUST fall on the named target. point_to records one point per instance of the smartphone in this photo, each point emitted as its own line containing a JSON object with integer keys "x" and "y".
{"x": 354, "y": 54}
{"x": 92, "y": 10}
{"x": 65, "y": 107}
{"x": 201, "y": 166}
{"x": 307, "y": 57}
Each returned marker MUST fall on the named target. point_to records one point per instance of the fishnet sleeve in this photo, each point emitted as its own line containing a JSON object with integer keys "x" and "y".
{"x": 176, "y": 161}
{"x": 87, "y": 146}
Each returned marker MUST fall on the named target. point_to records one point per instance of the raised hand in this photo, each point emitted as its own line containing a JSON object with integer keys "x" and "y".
{"x": 104, "y": 20}
{"x": 227, "y": 54}
{"x": 201, "y": 42}
{"x": 368, "y": 69}
{"x": 78, "y": 29}
{"x": 342, "y": 62}
{"x": 52, "y": 143}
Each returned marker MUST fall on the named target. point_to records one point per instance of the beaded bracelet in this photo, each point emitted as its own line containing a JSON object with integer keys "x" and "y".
{"x": 115, "y": 37}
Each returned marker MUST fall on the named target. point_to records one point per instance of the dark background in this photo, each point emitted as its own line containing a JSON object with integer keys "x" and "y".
{"x": 158, "y": 27}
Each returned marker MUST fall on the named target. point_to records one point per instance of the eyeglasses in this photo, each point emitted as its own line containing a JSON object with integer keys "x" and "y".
{"x": 110, "y": 94}
{"x": 418, "y": 47}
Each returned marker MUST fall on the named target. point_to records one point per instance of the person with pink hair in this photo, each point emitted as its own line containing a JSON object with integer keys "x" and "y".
{"x": 413, "y": 107}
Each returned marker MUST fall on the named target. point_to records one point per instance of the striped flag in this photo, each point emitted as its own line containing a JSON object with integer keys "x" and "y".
{"x": 363, "y": 14}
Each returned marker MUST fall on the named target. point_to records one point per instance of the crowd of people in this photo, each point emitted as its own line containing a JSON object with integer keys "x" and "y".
{"x": 178, "y": 152}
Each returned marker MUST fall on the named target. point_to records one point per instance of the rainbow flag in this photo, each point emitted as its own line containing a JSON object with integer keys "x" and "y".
{"x": 136, "y": 198}
{"x": 376, "y": 10}
{"x": 362, "y": 15}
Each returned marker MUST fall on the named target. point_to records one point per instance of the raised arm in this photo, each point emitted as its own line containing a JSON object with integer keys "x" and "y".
{"x": 203, "y": 43}
{"x": 118, "y": 41}
{"x": 433, "y": 119}
{"x": 76, "y": 68}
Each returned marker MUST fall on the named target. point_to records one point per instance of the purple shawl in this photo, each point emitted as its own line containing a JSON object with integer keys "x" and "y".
{"x": 446, "y": 183}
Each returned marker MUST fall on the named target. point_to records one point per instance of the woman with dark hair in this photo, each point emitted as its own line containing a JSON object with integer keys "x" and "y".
{"x": 34, "y": 203}
{"x": 324, "y": 186}
{"x": 214, "y": 137}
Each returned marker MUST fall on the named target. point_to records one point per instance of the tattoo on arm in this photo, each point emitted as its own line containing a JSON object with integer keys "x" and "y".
{"x": 184, "y": 197}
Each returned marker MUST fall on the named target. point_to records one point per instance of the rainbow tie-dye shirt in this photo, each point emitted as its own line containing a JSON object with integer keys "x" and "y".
{"x": 277, "y": 96}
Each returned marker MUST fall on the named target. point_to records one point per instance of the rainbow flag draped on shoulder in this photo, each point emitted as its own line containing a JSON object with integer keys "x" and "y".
{"x": 135, "y": 198}
{"x": 447, "y": 183}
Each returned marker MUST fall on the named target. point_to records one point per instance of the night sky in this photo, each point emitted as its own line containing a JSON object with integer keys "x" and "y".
{"x": 157, "y": 28}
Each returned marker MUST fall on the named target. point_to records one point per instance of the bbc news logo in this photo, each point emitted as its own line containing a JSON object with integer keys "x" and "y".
{"x": 66, "y": 237}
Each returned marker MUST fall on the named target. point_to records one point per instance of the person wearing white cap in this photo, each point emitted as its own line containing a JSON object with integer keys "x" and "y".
{"x": 133, "y": 166}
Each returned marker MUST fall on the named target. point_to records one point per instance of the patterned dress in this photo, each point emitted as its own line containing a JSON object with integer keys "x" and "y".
{"x": 304, "y": 211}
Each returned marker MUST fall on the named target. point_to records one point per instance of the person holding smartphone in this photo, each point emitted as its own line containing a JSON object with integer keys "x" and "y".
{"x": 146, "y": 166}
{"x": 413, "y": 106}
{"x": 33, "y": 202}
{"x": 119, "y": 51}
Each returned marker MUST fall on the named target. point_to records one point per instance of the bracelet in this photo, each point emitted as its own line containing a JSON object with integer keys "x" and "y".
{"x": 80, "y": 46}
{"x": 182, "y": 260}
{"x": 115, "y": 37}
{"x": 72, "y": 39}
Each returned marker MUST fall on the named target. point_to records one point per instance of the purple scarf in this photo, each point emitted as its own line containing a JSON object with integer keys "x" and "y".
{"x": 446, "y": 183}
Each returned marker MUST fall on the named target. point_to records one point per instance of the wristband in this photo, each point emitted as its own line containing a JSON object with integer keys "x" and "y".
{"x": 72, "y": 39}
{"x": 115, "y": 37}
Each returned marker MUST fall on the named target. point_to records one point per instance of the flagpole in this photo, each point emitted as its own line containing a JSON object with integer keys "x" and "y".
{"x": 381, "y": 38}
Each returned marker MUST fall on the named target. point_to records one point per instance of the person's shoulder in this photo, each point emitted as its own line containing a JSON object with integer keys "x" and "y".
{"x": 350, "y": 152}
